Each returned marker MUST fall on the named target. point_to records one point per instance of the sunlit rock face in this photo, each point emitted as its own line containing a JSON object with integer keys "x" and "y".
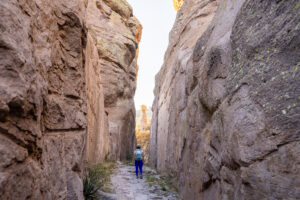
{"x": 142, "y": 130}
{"x": 67, "y": 81}
{"x": 113, "y": 34}
{"x": 226, "y": 110}
{"x": 143, "y": 120}
{"x": 177, "y": 4}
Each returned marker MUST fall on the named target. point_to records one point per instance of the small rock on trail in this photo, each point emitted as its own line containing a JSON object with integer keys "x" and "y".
{"x": 128, "y": 187}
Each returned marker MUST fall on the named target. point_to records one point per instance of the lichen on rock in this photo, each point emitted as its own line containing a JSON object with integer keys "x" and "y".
{"x": 223, "y": 117}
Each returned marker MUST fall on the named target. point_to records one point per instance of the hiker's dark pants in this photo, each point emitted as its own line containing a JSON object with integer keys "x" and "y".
{"x": 138, "y": 165}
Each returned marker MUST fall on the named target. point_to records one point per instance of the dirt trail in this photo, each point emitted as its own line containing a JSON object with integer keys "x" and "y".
{"x": 128, "y": 187}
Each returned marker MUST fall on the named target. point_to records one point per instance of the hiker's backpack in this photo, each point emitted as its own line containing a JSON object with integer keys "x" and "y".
{"x": 138, "y": 154}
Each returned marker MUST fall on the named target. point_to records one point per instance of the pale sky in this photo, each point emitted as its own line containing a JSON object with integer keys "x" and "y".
{"x": 157, "y": 18}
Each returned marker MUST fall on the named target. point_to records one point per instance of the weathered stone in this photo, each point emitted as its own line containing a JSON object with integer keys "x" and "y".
{"x": 226, "y": 110}
{"x": 111, "y": 62}
{"x": 120, "y": 6}
{"x": 56, "y": 102}
{"x": 42, "y": 97}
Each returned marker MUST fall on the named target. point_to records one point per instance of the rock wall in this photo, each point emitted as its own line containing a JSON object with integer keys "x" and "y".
{"x": 226, "y": 110}
{"x": 67, "y": 76}
{"x": 112, "y": 45}
{"x": 43, "y": 108}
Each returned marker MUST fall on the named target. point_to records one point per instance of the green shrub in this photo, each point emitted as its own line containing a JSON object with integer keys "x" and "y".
{"x": 98, "y": 176}
{"x": 90, "y": 188}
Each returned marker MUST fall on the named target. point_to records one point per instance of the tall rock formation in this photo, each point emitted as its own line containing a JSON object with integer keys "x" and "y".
{"x": 43, "y": 111}
{"x": 142, "y": 130}
{"x": 113, "y": 34}
{"x": 226, "y": 110}
{"x": 67, "y": 75}
{"x": 144, "y": 119}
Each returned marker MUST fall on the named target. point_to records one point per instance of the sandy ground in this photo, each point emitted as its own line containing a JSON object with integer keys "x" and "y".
{"x": 128, "y": 187}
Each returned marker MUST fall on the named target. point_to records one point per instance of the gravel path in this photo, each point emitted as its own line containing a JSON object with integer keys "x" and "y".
{"x": 128, "y": 187}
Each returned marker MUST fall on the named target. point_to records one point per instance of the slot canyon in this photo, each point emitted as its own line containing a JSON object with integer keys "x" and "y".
{"x": 225, "y": 120}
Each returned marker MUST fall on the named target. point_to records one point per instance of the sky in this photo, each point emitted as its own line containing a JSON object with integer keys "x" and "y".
{"x": 157, "y": 18}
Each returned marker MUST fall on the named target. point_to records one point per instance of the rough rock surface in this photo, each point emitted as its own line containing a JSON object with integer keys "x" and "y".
{"x": 113, "y": 34}
{"x": 58, "y": 70}
{"x": 226, "y": 110}
{"x": 43, "y": 108}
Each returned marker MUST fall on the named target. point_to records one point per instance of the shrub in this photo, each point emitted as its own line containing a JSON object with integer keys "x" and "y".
{"x": 90, "y": 188}
{"x": 97, "y": 177}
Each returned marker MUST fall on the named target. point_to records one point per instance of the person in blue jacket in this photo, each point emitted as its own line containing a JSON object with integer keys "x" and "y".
{"x": 138, "y": 161}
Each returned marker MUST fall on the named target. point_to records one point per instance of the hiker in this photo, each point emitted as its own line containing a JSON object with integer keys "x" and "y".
{"x": 138, "y": 161}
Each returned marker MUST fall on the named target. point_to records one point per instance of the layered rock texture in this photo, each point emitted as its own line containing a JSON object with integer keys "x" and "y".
{"x": 43, "y": 110}
{"x": 226, "y": 110}
{"x": 113, "y": 34}
{"x": 68, "y": 73}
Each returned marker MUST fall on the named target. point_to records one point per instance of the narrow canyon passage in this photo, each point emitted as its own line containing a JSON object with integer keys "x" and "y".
{"x": 225, "y": 117}
{"x": 127, "y": 187}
